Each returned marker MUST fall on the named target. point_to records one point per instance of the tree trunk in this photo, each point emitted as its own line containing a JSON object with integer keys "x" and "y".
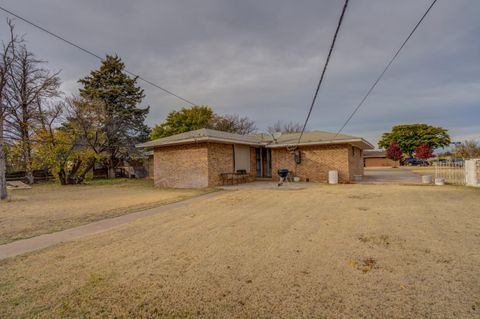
{"x": 111, "y": 172}
{"x": 62, "y": 176}
{"x": 3, "y": 166}
{"x": 28, "y": 164}
{"x": 111, "y": 165}
{"x": 90, "y": 166}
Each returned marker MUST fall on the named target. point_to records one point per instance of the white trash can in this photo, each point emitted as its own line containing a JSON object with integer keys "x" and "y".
{"x": 333, "y": 177}
{"x": 427, "y": 179}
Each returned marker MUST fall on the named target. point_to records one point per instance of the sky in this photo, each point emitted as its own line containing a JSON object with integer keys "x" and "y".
{"x": 263, "y": 59}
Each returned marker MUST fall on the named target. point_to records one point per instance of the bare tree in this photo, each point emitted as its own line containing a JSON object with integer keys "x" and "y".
{"x": 468, "y": 149}
{"x": 281, "y": 127}
{"x": 28, "y": 86}
{"x": 6, "y": 62}
{"x": 232, "y": 124}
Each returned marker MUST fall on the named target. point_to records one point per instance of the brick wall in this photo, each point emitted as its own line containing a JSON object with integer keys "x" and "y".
{"x": 195, "y": 165}
{"x": 317, "y": 161}
{"x": 220, "y": 160}
{"x": 200, "y": 165}
{"x": 355, "y": 161}
{"x": 380, "y": 162}
{"x": 181, "y": 166}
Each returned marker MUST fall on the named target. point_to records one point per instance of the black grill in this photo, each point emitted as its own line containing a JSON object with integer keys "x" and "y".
{"x": 282, "y": 172}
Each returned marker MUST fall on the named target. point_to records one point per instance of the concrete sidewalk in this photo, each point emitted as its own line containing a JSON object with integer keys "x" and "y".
{"x": 39, "y": 242}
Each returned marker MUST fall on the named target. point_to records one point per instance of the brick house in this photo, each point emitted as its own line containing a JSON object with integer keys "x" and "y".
{"x": 197, "y": 158}
{"x": 378, "y": 159}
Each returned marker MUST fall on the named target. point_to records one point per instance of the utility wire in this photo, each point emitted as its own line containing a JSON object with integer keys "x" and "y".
{"x": 53, "y": 142}
{"x": 324, "y": 69}
{"x": 93, "y": 54}
{"x": 384, "y": 71}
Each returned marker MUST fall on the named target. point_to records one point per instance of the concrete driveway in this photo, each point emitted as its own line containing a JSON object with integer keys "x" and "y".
{"x": 390, "y": 175}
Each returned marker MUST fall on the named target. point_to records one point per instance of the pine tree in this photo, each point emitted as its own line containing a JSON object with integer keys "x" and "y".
{"x": 124, "y": 124}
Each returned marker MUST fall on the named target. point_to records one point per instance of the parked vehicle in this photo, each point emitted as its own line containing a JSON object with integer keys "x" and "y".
{"x": 415, "y": 162}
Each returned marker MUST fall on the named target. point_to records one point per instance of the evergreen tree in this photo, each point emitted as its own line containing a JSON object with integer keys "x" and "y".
{"x": 124, "y": 124}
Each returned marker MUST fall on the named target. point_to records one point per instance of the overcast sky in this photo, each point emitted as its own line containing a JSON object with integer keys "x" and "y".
{"x": 262, "y": 59}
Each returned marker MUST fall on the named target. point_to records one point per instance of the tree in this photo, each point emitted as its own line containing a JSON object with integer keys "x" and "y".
{"x": 71, "y": 150}
{"x": 281, "y": 127}
{"x": 184, "y": 120}
{"x": 6, "y": 62}
{"x": 232, "y": 124}
{"x": 28, "y": 86}
{"x": 68, "y": 159}
{"x": 409, "y": 136}
{"x": 124, "y": 122}
{"x": 423, "y": 152}
{"x": 394, "y": 152}
{"x": 468, "y": 149}
{"x": 198, "y": 117}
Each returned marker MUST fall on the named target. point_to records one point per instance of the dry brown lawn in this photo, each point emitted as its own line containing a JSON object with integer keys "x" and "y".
{"x": 50, "y": 207}
{"x": 344, "y": 251}
{"x": 421, "y": 170}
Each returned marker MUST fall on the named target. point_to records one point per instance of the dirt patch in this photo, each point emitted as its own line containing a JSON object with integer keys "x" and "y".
{"x": 382, "y": 240}
{"x": 267, "y": 254}
{"x": 364, "y": 265}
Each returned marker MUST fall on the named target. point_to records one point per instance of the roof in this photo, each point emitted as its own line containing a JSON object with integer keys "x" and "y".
{"x": 318, "y": 138}
{"x": 203, "y": 135}
{"x": 264, "y": 139}
{"x": 372, "y": 154}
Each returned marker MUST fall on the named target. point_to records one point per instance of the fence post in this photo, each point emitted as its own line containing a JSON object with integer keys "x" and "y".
{"x": 471, "y": 176}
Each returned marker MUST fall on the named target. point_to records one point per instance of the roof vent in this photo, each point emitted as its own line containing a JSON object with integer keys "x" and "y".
{"x": 276, "y": 135}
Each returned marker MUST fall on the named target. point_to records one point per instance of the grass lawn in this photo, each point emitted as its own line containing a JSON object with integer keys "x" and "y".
{"x": 327, "y": 251}
{"x": 50, "y": 207}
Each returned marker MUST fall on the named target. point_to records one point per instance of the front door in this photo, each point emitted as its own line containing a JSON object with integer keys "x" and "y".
{"x": 263, "y": 162}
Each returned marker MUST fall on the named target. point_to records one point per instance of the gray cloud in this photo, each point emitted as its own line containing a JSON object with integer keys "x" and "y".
{"x": 263, "y": 58}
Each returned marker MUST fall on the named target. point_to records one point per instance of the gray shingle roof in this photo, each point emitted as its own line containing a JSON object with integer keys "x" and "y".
{"x": 203, "y": 135}
{"x": 308, "y": 138}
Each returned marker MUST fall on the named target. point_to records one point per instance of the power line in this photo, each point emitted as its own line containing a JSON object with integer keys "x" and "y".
{"x": 93, "y": 54}
{"x": 53, "y": 142}
{"x": 324, "y": 69}
{"x": 384, "y": 70}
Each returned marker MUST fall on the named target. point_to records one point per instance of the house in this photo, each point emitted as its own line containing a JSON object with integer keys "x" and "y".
{"x": 378, "y": 159}
{"x": 197, "y": 158}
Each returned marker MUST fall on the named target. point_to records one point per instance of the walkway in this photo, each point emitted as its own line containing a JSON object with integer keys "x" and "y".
{"x": 267, "y": 185}
{"x": 39, "y": 242}
{"x": 390, "y": 175}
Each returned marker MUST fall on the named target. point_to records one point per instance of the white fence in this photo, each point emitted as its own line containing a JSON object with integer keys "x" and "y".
{"x": 452, "y": 173}
{"x": 459, "y": 173}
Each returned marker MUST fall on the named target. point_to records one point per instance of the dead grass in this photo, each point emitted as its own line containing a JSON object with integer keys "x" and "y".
{"x": 421, "y": 170}
{"x": 268, "y": 254}
{"x": 50, "y": 207}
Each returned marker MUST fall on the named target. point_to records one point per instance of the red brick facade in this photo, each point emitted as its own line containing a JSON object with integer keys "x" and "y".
{"x": 380, "y": 162}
